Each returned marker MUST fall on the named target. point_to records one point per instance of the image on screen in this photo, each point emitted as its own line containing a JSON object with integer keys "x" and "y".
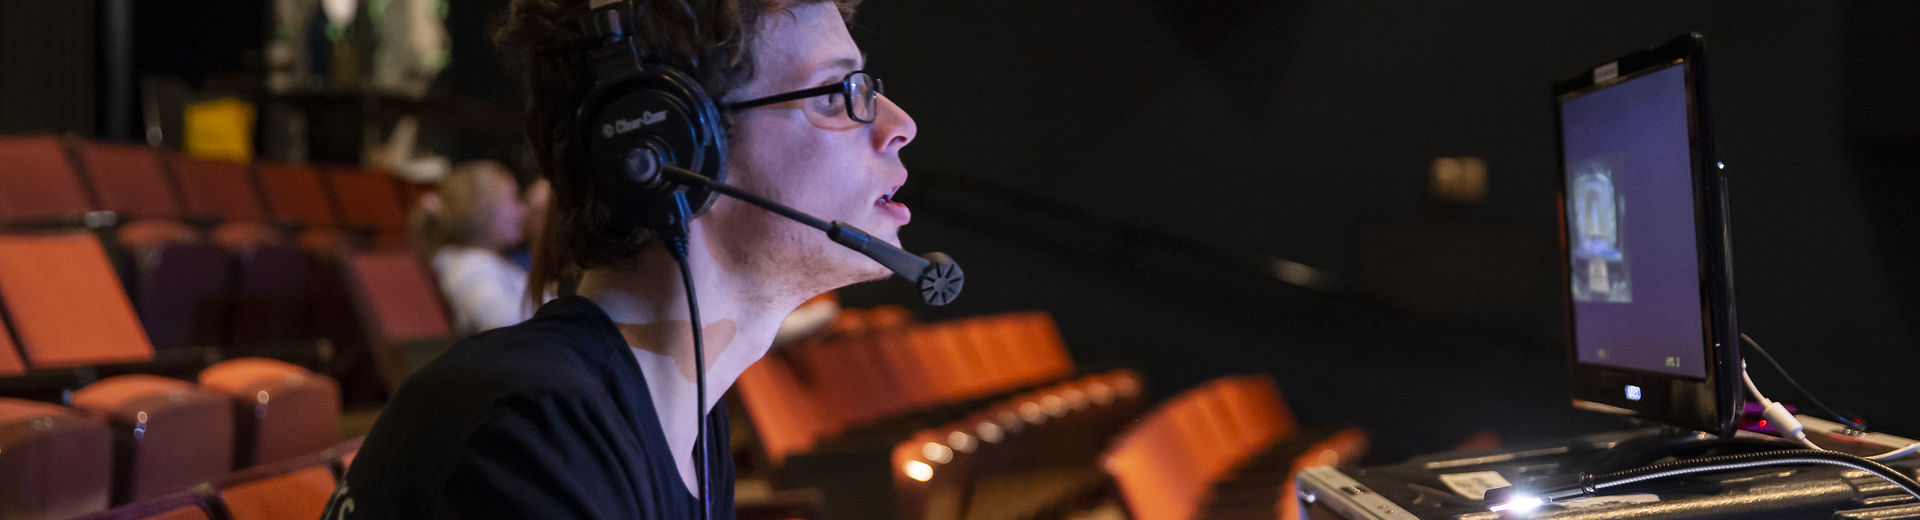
{"x": 1630, "y": 226}
{"x": 1599, "y": 259}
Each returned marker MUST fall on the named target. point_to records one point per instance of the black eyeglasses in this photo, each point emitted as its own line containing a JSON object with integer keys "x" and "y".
{"x": 859, "y": 92}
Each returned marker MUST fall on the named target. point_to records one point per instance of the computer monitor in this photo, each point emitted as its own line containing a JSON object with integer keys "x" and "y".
{"x": 1645, "y": 242}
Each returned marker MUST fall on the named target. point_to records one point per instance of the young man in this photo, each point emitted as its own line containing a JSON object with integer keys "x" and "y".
{"x": 587, "y": 409}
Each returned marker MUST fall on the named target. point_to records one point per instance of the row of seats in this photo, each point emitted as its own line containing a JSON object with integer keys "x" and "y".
{"x": 212, "y": 252}
{"x": 297, "y": 488}
{"x": 136, "y": 437}
{"x": 66, "y": 309}
{"x": 1225, "y": 449}
{"x": 1020, "y": 457}
{"x": 152, "y": 194}
{"x": 875, "y": 365}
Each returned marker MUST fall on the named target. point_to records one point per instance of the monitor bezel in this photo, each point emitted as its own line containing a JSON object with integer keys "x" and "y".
{"x": 1711, "y": 403}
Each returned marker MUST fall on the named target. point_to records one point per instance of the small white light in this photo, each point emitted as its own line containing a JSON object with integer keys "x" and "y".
{"x": 1722, "y": 165}
{"x": 918, "y": 470}
{"x": 937, "y": 452}
{"x": 1520, "y": 504}
{"x": 989, "y": 431}
{"x": 1032, "y": 412}
{"x": 1633, "y": 393}
{"x": 960, "y": 441}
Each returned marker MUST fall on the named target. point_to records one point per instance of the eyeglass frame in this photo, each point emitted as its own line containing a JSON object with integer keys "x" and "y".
{"x": 844, "y": 88}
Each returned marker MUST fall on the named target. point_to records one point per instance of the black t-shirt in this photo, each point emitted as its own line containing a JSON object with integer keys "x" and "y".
{"x": 546, "y": 419}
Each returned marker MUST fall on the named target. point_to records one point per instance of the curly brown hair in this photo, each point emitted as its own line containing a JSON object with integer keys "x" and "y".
{"x": 544, "y": 44}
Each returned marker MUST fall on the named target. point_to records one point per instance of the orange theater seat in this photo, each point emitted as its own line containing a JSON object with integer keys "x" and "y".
{"x": 397, "y": 303}
{"x": 54, "y": 464}
{"x": 301, "y": 493}
{"x": 297, "y": 197}
{"x": 282, "y": 410}
{"x": 10, "y": 362}
{"x": 170, "y": 433}
{"x": 66, "y": 304}
{"x": 188, "y": 504}
{"x": 1048, "y": 350}
{"x": 782, "y": 416}
{"x": 1168, "y": 465}
{"x": 368, "y": 199}
{"x": 295, "y": 194}
{"x": 1154, "y": 476}
{"x": 223, "y": 191}
{"x": 130, "y": 180}
{"x": 219, "y": 190}
{"x": 38, "y": 184}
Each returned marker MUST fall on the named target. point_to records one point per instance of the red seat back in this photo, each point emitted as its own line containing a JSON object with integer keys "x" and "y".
{"x": 397, "y": 300}
{"x": 38, "y": 183}
{"x": 295, "y": 194}
{"x": 217, "y": 189}
{"x": 368, "y": 198}
{"x": 66, "y": 304}
{"x": 130, "y": 180}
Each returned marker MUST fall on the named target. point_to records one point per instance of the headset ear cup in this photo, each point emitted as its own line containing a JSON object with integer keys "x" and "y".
{"x": 709, "y": 132}
{"x": 658, "y": 108}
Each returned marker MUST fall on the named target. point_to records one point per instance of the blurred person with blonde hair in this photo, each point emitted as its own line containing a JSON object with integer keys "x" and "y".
{"x": 464, "y": 228}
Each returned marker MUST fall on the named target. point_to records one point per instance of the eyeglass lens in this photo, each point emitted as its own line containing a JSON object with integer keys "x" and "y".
{"x": 865, "y": 103}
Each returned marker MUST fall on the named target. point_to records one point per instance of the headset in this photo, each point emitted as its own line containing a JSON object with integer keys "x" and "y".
{"x": 640, "y": 111}
{"x": 640, "y": 115}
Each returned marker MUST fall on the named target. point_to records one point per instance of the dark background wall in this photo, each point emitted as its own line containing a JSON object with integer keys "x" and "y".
{"x": 1304, "y": 130}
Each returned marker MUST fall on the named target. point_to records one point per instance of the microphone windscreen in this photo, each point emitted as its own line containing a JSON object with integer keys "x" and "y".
{"x": 940, "y": 282}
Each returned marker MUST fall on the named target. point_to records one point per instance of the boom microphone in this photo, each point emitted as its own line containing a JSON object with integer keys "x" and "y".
{"x": 937, "y": 276}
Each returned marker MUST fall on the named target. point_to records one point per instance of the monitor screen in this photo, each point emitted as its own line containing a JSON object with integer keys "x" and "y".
{"x": 1644, "y": 241}
{"x": 1635, "y": 269}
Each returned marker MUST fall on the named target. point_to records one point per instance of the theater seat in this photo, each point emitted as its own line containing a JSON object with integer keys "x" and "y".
{"x": 299, "y": 493}
{"x": 223, "y": 191}
{"x": 297, "y": 196}
{"x": 370, "y": 200}
{"x": 270, "y": 295}
{"x": 169, "y": 434}
{"x": 182, "y": 294}
{"x": 131, "y": 181}
{"x": 38, "y": 184}
{"x": 10, "y": 362}
{"x": 66, "y": 304}
{"x": 281, "y": 410}
{"x": 782, "y": 414}
{"x": 54, "y": 463}
{"x": 187, "y": 504}
{"x": 399, "y": 310}
{"x": 1224, "y": 448}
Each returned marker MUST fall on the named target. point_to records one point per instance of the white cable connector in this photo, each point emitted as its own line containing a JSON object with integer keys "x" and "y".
{"x": 1777, "y": 416}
